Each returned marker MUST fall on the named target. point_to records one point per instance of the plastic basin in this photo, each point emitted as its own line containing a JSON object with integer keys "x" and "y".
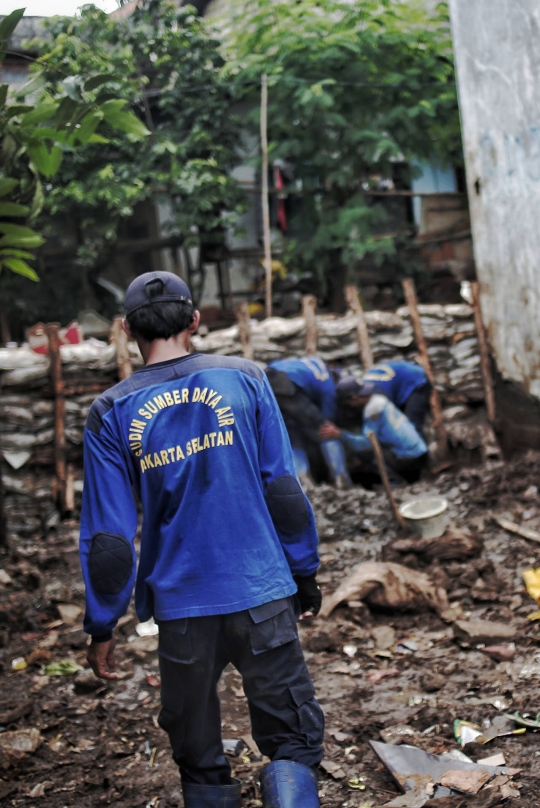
{"x": 427, "y": 516}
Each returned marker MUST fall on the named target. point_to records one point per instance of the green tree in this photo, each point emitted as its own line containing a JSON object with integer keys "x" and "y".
{"x": 353, "y": 88}
{"x": 162, "y": 62}
{"x": 33, "y": 139}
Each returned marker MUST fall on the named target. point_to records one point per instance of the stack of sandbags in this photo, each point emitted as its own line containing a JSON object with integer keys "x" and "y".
{"x": 27, "y": 404}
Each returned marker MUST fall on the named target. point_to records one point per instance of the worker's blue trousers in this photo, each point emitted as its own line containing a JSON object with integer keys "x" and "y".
{"x": 262, "y": 644}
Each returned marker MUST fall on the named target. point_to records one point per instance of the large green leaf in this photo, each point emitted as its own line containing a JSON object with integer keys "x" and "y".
{"x": 127, "y": 122}
{"x": 7, "y": 26}
{"x": 37, "y": 81}
{"x": 113, "y": 105}
{"x": 13, "y": 209}
{"x": 22, "y": 242}
{"x": 21, "y": 268}
{"x": 15, "y": 253}
{"x": 96, "y": 81}
{"x": 7, "y": 185}
{"x": 40, "y": 113}
{"x": 46, "y": 162}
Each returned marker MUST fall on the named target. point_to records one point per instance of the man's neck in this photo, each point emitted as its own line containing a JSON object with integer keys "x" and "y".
{"x": 162, "y": 350}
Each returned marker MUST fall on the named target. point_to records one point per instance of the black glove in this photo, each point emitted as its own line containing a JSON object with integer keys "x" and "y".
{"x": 308, "y": 594}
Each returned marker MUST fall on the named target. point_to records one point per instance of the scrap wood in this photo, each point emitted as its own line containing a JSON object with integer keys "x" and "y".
{"x": 390, "y": 585}
{"x": 454, "y": 545}
{"x": 519, "y": 530}
{"x": 469, "y": 782}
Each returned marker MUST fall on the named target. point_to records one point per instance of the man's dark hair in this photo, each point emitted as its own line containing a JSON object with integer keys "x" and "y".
{"x": 160, "y": 320}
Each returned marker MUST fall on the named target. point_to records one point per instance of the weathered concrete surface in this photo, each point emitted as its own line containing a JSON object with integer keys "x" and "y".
{"x": 498, "y": 69}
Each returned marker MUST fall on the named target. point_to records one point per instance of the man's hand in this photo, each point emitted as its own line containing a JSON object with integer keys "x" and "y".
{"x": 309, "y": 595}
{"x": 100, "y": 656}
{"x": 329, "y": 431}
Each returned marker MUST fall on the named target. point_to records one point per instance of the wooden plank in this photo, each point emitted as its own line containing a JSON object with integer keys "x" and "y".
{"x": 264, "y": 197}
{"x": 435, "y": 401}
{"x": 244, "y": 328}
{"x": 353, "y": 301}
{"x": 384, "y": 477}
{"x": 69, "y": 503}
{"x": 119, "y": 338}
{"x": 485, "y": 358}
{"x": 3, "y": 521}
{"x": 57, "y": 384}
{"x": 309, "y": 307}
{"x": 519, "y": 530}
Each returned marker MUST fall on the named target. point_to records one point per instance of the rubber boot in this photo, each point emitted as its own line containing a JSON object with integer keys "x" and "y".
{"x": 334, "y": 455}
{"x": 286, "y": 784}
{"x": 200, "y": 796}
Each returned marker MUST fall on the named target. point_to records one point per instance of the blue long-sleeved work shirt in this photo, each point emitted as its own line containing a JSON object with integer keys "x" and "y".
{"x": 201, "y": 442}
{"x": 313, "y": 377}
{"x": 396, "y": 380}
{"x": 392, "y": 427}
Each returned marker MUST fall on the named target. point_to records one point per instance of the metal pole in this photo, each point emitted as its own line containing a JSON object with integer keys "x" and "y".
{"x": 264, "y": 196}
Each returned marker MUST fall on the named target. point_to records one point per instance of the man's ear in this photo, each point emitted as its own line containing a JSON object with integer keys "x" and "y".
{"x": 126, "y": 328}
{"x": 193, "y": 326}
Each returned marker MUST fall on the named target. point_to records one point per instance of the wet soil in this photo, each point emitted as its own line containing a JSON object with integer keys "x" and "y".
{"x": 100, "y": 742}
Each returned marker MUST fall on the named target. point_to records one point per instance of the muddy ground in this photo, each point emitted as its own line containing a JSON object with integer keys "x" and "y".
{"x": 99, "y": 743}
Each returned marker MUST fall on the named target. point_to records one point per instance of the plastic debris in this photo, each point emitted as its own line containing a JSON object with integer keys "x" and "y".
{"x": 350, "y": 650}
{"x": 357, "y": 783}
{"x": 148, "y": 629}
{"x": 153, "y": 681}
{"x": 532, "y": 583}
{"x": 21, "y": 740}
{"x": 19, "y": 664}
{"x": 523, "y": 720}
{"x": 504, "y": 652}
{"x": 493, "y": 760}
{"x": 233, "y": 746}
{"x": 388, "y": 585}
{"x": 63, "y": 667}
{"x": 374, "y": 677}
{"x": 5, "y": 578}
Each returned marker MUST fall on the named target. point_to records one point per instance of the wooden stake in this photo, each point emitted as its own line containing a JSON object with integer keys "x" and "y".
{"x": 244, "y": 328}
{"x": 384, "y": 477}
{"x": 70, "y": 490}
{"x": 485, "y": 361}
{"x": 353, "y": 301}
{"x": 123, "y": 359}
{"x": 57, "y": 383}
{"x": 309, "y": 307}
{"x": 3, "y": 521}
{"x": 436, "y": 409}
{"x": 264, "y": 196}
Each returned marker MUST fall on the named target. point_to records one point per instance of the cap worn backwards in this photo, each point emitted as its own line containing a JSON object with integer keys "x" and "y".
{"x": 349, "y": 386}
{"x": 156, "y": 287}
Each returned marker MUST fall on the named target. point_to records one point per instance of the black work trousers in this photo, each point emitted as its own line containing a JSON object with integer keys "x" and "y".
{"x": 302, "y": 417}
{"x": 262, "y": 644}
{"x": 417, "y": 406}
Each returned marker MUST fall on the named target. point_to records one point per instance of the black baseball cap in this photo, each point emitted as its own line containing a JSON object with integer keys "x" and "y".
{"x": 156, "y": 287}
{"x": 349, "y": 386}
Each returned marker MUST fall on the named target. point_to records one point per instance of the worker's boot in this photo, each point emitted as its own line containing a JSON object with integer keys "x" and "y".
{"x": 200, "y": 796}
{"x": 286, "y": 784}
{"x": 334, "y": 455}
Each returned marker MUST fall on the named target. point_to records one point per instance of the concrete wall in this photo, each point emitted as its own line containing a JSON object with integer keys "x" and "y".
{"x": 498, "y": 69}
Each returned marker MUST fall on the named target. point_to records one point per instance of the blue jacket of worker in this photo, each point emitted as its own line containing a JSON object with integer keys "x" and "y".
{"x": 313, "y": 377}
{"x": 392, "y": 427}
{"x": 396, "y": 380}
{"x": 201, "y": 442}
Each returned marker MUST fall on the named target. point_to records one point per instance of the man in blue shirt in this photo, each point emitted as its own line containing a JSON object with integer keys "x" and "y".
{"x": 406, "y": 385}
{"x": 403, "y": 446}
{"x": 306, "y": 394}
{"x": 228, "y": 548}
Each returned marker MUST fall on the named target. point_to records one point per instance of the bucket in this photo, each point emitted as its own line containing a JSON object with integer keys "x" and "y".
{"x": 427, "y": 516}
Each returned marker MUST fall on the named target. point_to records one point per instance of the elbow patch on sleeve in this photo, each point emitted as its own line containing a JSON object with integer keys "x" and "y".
{"x": 110, "y": 563}
{"x": 287, "y": 504}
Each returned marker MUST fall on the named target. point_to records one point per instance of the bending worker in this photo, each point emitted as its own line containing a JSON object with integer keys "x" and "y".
{"x": 228, "y": 551}
{"x": 306, "y": 394}
{"x": 404, "y": 449}
{"x": 406, "y": 385}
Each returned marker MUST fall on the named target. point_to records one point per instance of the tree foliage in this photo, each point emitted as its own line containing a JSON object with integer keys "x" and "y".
{"x": 34, "y": 137}
{"x": 162, "y": 62}
{"x": 353, "y": 88}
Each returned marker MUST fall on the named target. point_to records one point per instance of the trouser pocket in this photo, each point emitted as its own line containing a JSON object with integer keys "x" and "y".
{"x": 272, "y": 625}
{"x": 175, "y": 641}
